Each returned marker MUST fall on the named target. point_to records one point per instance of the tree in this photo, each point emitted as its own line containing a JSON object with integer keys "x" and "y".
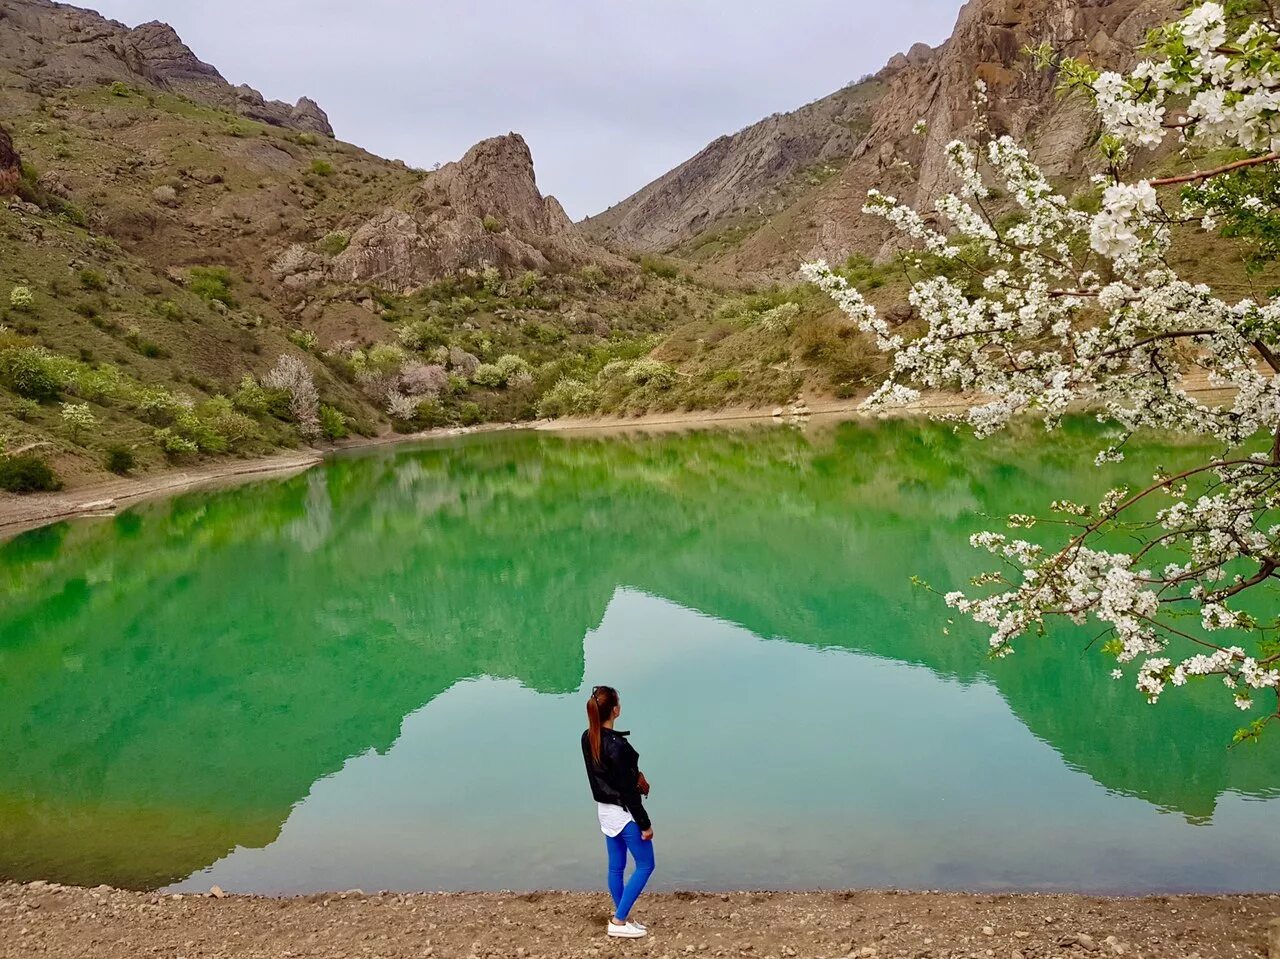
{"x": 292, "y": 376}
{"x": 1056, "y": 308}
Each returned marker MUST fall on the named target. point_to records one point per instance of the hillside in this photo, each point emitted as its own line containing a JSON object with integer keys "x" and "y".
{"x": 190, "y": 270}
{"x": 167, "y": 237}
{"x": 792, "y": 186}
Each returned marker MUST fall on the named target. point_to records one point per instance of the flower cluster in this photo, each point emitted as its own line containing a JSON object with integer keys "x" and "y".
{"x": 1076, "y": 309}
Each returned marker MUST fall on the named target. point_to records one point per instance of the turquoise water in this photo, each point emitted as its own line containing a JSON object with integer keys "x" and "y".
{"x": 373, "y": 675}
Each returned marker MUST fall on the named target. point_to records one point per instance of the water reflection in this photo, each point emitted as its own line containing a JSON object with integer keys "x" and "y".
{"x": 175, "y": 680}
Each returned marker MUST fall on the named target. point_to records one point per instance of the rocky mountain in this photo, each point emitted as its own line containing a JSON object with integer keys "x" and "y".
{"x": 739, "y": 202}
{"x": 52, "y": 46}
{"x": 484, "y": 208}
{"x": 189, "y": 270}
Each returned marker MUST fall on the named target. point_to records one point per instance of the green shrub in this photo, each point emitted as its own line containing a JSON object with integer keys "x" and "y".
{"x": 86, "y": 309}
{"x": 212, "y": 283}
{"x": 492, "y": 224}
{"x": 659, "y": 267}
{"x": 250, "y": 397}
{"x": 333, "y": 424}
{"x": 92, "y": 280}
{"x": 33, "y": 372}
{"x": 544, "y": 333}
{"x": 488, "y": 374}
{"x": 514, "y": 370}
{"x": 469, "y": 414}
{"x": 334, "y": 243}
{"x": 216, "y": 426}
{"x": 652, "y": 372}
{"x": 168, "y": 310}
{"x": 566, "y": 398}
{"x": 303, "y": 339}
{"x": 144, "y": 346}
{"x": 120, "y": 460}
{"x": 27, "y": 474}
{"x": 528, "y": 282}
{"x": 321, "y": 167}
{"x": 120, "y": 89}
{"x": 98, "y": 384}
{"x": 592, "y": 275}
{"x": 21, "y": 298}
{"x": 422, "y": 335}
{"x": 174, "y": 445}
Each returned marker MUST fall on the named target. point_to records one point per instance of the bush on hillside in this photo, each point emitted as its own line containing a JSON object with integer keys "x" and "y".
{"x": 120, "y": 460}
{"x": 27, "y": 474}
{"x": 212, "y": 283}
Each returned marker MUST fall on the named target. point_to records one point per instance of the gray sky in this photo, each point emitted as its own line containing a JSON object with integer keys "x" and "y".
{"x": 609, "y": 94}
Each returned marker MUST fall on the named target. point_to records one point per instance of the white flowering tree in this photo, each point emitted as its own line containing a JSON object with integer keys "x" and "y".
{"x": 1057, "y": 307}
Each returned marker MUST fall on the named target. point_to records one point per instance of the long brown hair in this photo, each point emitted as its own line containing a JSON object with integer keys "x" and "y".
{"x": 600, "y": 707}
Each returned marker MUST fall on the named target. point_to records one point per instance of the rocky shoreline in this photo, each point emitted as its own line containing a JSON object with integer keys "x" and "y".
{"x": 42, "y": 919}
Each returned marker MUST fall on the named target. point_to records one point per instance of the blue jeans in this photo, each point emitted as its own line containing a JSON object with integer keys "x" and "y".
{"x": 624, "y": 897}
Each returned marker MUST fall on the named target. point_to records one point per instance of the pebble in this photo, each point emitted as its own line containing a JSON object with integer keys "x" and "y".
{"x": 217, "y": 893}
{"x": 988, "y": 931}
{"x": 1022, "y": 934}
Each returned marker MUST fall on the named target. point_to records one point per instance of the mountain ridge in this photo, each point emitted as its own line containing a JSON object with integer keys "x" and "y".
{"x": 770, "y": 229}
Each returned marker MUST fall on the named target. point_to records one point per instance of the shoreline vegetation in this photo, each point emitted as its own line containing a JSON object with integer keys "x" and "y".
{"x": 19, "y": 514}
{"x": 44, "y": 919}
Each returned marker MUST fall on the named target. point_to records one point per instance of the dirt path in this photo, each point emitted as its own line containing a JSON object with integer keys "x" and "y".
{"x": 41, "y": 920}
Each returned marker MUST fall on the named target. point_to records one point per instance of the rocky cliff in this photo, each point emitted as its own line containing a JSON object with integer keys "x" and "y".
{"x": 863, "y": 134}
{"x": 483, "y": 209}
{"x": 48, "y": 46}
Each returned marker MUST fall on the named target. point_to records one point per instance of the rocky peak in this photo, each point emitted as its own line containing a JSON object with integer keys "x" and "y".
{"x": 482, "y": 210}
{"x": 156, "y": 50}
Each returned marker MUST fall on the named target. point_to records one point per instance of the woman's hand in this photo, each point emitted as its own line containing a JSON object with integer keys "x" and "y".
{"x": 643, "y": 785}
{"x": 647, "y": 835}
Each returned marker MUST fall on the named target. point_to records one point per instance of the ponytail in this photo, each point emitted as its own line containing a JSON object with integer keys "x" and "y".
{"x": 600, "y": 707}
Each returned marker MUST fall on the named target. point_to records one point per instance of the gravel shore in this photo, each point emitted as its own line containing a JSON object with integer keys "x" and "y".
{"x": 64, "y": 922}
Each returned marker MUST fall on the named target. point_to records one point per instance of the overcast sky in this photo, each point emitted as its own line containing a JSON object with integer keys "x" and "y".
{"x": 609, "y": 94}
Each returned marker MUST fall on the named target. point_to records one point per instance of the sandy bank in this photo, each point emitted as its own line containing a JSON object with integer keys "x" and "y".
{"x": 38, "y": 920}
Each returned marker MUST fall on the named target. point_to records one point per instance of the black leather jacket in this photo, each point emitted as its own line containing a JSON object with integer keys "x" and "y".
{"x": 617, "y": 779}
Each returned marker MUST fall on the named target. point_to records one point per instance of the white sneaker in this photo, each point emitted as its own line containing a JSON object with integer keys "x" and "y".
{"x": 628, "y": 930}
{"x": 638, "y": 924}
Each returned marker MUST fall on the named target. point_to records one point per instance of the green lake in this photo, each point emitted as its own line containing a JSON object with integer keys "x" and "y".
{"x": 373, "y": 675}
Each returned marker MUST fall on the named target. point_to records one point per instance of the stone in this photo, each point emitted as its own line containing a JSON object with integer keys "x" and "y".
{"x": 165, "y": 195}
{"x": 216, "y": 892}
{"x": 988, "y": 931}
{"x": 1086, "y": 942}
{"x": 1273, "y": 939}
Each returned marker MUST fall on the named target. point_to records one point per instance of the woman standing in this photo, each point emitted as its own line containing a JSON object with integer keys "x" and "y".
{"x": 617, "y": 785}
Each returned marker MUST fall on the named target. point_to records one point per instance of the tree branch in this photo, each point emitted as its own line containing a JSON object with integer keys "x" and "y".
{"x": 1216, "y": 171}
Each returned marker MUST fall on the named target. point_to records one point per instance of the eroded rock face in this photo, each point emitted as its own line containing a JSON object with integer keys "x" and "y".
{"x": 484, "y": 209}
{"x": 872, "y": 144}
{"x": 10, "y": 165}
{"x": 62, "y": 46}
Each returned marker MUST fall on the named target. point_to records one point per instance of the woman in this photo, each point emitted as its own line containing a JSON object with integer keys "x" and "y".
{"x": 617, "y": 785}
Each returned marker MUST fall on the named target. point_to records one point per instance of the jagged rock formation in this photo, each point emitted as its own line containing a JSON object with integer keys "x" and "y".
{"x": 50, "y": 45}
{"x": 935, "y": 85}
{"x": 482, "y": 209}
{"x": 10, "y": 165}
